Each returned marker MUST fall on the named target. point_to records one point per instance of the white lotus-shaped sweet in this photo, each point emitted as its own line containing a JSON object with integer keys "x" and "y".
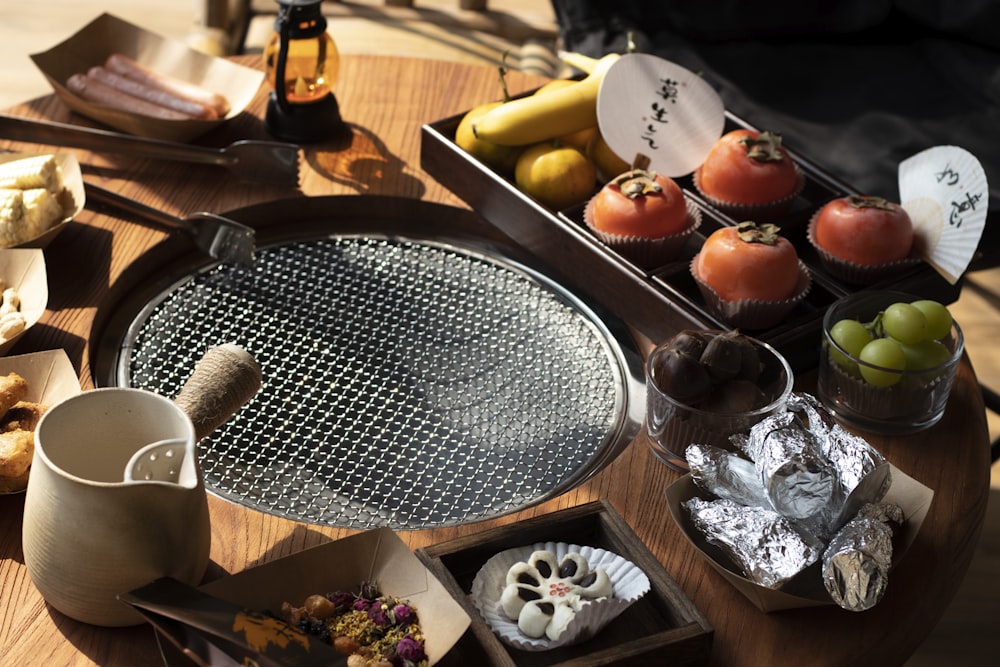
{"x": 544, "y": 594}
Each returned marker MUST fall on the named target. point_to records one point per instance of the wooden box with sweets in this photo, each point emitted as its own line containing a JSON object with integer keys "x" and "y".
{"x": 661, "y": 627}
{"x": 659, "y": 299}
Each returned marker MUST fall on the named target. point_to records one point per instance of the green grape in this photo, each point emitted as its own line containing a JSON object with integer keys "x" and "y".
{"x": 887, "y": 354}
{"x": 905, "y": 323}
{"x": 851, "y": 336}
{"x": 938, "y": 318}
{"x": 926, "y": 355}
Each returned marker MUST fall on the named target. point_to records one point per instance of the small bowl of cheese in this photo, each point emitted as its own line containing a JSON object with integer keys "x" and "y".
{"x": 39, "y": 194}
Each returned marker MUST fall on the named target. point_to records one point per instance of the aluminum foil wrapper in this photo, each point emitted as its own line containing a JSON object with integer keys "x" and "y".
{"x": 862, "y": 472}
{"x": 767, "y": 547}
{"x": 856, "y": 562}
{"x": 852, "y": 456}
{"x": 799, "y": 480}
{"x": 726, "y": 475}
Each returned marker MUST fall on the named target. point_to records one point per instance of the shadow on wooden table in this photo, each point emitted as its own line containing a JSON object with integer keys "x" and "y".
{"x": 967, "y": 634}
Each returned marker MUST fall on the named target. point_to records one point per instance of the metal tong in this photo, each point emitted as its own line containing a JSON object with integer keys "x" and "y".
{"x": 270, "y": 162}
{"x": 215, "y": 235}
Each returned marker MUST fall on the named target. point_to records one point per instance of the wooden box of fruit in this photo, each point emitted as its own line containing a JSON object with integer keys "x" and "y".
{"x": 658, "y": 298}
{"x": 661, "y": 627}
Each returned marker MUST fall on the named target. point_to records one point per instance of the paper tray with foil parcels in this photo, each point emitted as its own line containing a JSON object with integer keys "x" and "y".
{"x": 806, "y": 588}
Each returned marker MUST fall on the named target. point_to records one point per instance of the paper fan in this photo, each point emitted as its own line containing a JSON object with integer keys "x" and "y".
{"x": 944, "y": 191}
{"x": 652, "y": 107}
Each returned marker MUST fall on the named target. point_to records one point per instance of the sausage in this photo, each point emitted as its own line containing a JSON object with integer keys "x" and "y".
{"x": 154, "y": 95}
{"x": 127, "y": 67}
{"x": 101, "y": 93}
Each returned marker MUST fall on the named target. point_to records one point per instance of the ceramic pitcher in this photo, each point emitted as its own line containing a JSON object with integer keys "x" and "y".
{"x": 116, "y": 497}
{"x": 90, "y": 531}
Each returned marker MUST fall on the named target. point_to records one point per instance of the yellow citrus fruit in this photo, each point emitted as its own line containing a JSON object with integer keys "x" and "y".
{"x": 501, "y": 158}
{"x": 557, "y": 175}
{"x": 608, "y": 163}
{"x": 580, "y": 139}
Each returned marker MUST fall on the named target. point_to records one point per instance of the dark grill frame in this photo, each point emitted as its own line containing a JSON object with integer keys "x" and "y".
{"x": 407, "y": 383}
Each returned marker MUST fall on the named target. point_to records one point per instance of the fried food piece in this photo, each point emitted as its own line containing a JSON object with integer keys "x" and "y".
{"x": 17, "y": 444}
{"x": 13, "y": 389}
{"x": 16, "y": 451}
{"x": 23, "y": 416}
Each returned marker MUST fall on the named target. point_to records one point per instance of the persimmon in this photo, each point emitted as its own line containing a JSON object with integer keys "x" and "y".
{"x": 748, "y": 261}
{"x": 864, "y": 230}
{"x": 747, "y": 167}
{"x": 640, "y": 203}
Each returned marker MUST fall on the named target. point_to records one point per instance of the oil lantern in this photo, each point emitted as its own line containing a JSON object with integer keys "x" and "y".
{"x": 302, "y": 66}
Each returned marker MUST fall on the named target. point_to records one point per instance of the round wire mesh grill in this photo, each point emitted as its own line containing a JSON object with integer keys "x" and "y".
{"x": 406, "y": 384}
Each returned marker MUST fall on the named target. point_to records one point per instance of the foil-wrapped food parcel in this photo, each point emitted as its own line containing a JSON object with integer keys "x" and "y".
{"x": 799, "y": 490}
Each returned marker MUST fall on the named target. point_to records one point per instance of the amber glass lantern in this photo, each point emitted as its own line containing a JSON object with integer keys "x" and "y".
{"x": 302, "y": 66}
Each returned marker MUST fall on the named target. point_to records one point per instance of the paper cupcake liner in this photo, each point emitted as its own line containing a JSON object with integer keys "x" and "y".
{"x": 763, "y": 212}
{"x": 857, "y": 274}
{"x": 752, "y": 313}
{"x": 628, "y": 581}
{"x": 900, "y": 401}
{"x": 644, "y": 251}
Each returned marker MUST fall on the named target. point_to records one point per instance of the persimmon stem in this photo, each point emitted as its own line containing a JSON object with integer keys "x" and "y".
{"x": 751, "y": 232}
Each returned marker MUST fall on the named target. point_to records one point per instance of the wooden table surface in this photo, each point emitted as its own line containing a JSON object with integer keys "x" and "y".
{"x": 385, "y": 100}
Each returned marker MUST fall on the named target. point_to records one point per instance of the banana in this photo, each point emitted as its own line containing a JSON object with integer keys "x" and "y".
{"x": 582, "y": 62}
{"x": 529, "y": 120}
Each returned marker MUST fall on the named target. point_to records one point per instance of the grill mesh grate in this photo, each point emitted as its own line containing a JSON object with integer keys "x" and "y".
{"x": 406, "y": 384}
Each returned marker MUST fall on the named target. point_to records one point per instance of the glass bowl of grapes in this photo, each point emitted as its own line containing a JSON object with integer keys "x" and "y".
{"x": 888, "y": 361}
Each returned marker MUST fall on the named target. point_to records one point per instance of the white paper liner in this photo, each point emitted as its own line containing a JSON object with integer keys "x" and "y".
{"x": 628, "y": 581}
{"x": 647, "y": 252}
{"x": 752, "y": 313}
{"x": 760, "y": 212}
{"x": 851, "y": 272}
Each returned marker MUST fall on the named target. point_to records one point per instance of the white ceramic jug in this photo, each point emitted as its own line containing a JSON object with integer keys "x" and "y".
{"x": 93, "y": 527}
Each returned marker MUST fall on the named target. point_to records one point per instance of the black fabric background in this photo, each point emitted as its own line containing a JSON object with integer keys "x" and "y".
{"x": 856, "y": 86}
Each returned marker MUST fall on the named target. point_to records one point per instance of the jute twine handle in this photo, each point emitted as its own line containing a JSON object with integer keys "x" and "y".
{"x": 223, "y": 381}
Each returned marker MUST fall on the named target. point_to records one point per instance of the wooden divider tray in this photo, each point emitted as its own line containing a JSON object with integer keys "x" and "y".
{"x": 662, "y": 627}
{"x": 661, "y": 301}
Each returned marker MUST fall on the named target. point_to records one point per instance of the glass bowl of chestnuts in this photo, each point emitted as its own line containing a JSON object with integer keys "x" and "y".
{"x": 703, "y": 386}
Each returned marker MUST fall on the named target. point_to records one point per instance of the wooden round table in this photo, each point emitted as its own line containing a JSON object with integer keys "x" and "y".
{"x": 385, "y": 100}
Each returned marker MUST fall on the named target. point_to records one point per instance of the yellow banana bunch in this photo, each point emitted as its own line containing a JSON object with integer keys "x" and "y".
{"x": 584, "y": 63}
{"x": 536, "y": 118}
